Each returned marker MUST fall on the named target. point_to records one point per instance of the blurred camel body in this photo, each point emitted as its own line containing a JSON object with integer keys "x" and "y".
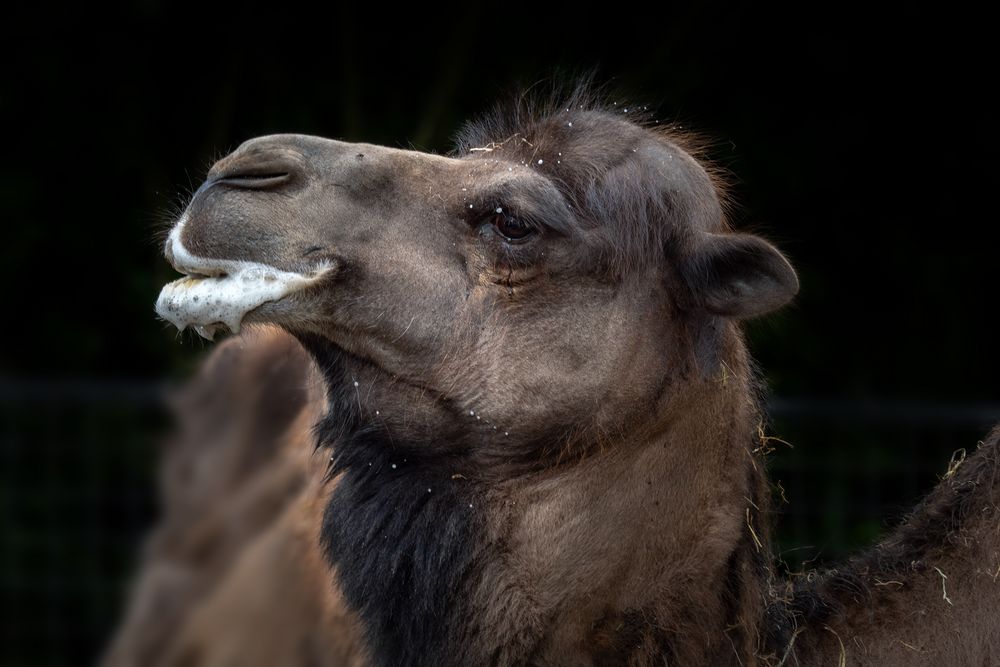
{"x": 233, "y": 573}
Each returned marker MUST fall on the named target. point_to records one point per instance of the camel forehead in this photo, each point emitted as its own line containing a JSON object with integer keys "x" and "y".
{"x": 564, "y": 142}
{"x": 581, "y": 148}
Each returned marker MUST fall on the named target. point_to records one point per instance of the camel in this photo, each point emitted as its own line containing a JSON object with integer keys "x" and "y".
{"x": 540, "y": 426}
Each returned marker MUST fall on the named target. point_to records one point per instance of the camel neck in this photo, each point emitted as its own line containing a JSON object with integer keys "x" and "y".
{"x": 650, "y": 549}
{"x": 653, "y": 547}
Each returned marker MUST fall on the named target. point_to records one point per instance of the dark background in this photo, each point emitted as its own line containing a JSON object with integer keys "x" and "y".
{"x": 863, "y": 145}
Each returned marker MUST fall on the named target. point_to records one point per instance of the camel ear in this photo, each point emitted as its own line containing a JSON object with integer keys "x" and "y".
{"x": 740, "y": 275}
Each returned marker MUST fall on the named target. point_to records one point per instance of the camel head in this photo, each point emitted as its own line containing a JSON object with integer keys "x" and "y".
{"x": 547, "y": 283}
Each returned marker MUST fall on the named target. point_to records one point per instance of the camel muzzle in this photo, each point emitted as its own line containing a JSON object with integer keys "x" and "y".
{"x": 218, "y": 293}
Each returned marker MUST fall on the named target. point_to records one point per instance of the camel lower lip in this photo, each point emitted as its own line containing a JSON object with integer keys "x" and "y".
{"x": 206, "y": 303}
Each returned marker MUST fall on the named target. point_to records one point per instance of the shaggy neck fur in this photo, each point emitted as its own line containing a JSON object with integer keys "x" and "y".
{"x": 404, "y": 539}
{"x": 630, "y": 555}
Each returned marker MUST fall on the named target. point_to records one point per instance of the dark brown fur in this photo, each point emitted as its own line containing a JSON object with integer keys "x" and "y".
{"x": 547, "y": 452}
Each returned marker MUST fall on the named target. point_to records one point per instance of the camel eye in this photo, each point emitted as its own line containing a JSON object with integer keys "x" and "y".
{"x": 512, "y": 228}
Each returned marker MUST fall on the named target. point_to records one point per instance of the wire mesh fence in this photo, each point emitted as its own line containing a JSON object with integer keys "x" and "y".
{"x": 78, "y": 492}
{"x": 849, "y": 472}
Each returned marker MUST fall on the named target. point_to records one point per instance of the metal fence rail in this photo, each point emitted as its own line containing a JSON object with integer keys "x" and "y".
{"x": 141, "y": 392}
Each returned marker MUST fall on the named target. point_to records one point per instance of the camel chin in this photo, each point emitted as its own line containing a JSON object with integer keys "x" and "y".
{"x": 219, "y": 293}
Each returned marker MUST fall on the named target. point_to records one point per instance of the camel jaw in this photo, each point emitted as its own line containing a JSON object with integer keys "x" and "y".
{"x": 219, "y": 293}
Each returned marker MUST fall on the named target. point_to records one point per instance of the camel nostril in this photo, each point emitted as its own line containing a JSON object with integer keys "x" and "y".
{"x": 256, "y": 170}
{"x": 252, "y": 180}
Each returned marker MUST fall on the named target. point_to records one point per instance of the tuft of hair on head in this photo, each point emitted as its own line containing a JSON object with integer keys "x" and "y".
{"x": 632, "y": 211}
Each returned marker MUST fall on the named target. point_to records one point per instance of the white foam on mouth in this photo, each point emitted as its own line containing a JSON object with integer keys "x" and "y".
{"x": 222, "y": 291}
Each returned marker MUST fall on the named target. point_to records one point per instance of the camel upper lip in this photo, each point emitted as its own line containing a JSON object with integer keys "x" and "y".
{"x": 188, "y": 264}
